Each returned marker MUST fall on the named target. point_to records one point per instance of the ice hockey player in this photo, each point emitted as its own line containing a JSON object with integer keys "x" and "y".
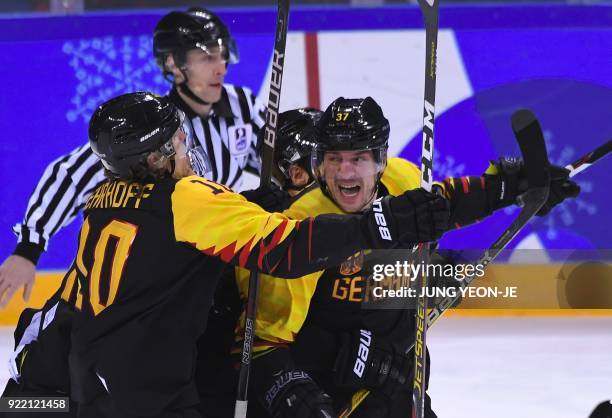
{"x": 194, "y": 50}
{"x": 154, "y": 241}
{"x": 216, "y": 375}
{"x": 324, "y": 310}
{"x": 292, "y": 153}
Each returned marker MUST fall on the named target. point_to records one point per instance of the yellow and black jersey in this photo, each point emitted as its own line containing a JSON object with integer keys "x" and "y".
{"x": 283, "y": 305}
{"x": 148, "y": 261}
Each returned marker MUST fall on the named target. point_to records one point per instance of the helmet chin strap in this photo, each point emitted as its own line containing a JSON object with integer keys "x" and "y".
{"x": 371, "y": 199}
{"x": 187, "y": 92}
{"x": 184, "y": 88}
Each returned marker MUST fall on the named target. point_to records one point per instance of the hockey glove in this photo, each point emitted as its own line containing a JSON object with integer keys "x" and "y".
{"x": 371, "y": 362}
{"x": 293, "y": 394}
{"x": 473, "y": 198}
{"x": 413, "y": 217}
{"x": 285, "y": 390}
{"x": 270, "y": 198}
{"x": 506, "y": 180}
{"x": 561, "y": 188}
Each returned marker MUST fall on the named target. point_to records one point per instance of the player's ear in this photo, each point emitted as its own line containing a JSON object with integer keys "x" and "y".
{"x": 171, "y": 67}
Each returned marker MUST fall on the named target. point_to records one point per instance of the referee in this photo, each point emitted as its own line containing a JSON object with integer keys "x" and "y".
{"x": 193, "y": 49}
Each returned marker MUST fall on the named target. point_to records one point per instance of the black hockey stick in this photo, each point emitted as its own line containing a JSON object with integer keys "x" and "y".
{"x": 533, "y": 148}
{"x": 586, "y": 161}
{"x": 429, "y": 8}
{"x": 267, "y": 160}
{"x": 576, "y": 167}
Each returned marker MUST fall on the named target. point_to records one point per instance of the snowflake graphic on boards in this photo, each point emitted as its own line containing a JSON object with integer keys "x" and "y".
{"x": 447, "y": 167}
{"x": 563, "y": 215}
{"x": 107, "y": 67}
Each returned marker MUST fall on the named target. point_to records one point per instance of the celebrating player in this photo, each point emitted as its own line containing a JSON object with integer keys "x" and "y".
{"x": 153, "y": 245}
{"x": 193, "y": 49}
{"x": 321, "y": 315}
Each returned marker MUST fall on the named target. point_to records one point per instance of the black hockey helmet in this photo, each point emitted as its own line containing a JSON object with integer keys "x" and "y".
{"x": 178, "y": 32}
{"x": 351, "y": 125}
{"x": 295, "y": 139}
{"x": 124, "y": 130}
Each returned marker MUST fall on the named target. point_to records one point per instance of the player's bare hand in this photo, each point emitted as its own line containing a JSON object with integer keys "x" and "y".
{"x": 16, "y": 272}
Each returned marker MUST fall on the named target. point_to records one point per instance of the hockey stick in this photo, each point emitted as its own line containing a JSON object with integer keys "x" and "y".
{"x": 531, "y": 141}
{"x": 429, "y": 8}
{"x": 586, "y": 161}
{"x": 276, "y": 80}
{"x": 576, "y": 167}
{"x": 533, "y": 148}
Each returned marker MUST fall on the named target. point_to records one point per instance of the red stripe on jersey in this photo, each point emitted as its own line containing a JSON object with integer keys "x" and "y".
{"x": 245, "y": 253}
{"x": 275, "y": 267}
{"x": 482, "y": 182}
{"x": 466, "y": 185}
{"x": 276, "y": 237}
{"x": 228, "y": 253}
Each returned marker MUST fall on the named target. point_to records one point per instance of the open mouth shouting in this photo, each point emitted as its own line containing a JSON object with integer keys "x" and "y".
{"x": 349, "y": 190}
{"x": 348, "y": 194}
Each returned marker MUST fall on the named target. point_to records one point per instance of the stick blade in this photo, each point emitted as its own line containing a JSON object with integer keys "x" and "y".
{"x": 529, "y": 135}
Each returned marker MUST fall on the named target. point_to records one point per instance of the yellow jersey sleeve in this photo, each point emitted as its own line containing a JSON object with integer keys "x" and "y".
{"x": 221, "y": 223}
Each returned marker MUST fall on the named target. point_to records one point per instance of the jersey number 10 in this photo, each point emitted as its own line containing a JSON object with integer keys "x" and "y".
{"x": 120, "y": 235}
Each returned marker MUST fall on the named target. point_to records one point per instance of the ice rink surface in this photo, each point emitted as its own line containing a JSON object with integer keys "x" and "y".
{"x": 506, "y": 367}
{"x": 527, "y": 367}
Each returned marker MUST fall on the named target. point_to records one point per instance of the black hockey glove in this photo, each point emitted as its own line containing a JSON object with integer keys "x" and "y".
{"x": 293, "y": 394}
{"x": 413, "y": 217}
{"x": 561, "y": 188}
{"x": 371, "y": 362}
{"x": 270, "y": 198}
{"x": 284, "y": 390}
{"x": 506, "y": 179}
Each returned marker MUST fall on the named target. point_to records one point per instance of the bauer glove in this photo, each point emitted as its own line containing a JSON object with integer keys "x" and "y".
{"x": 367, "y": 361}
{"x": 413, "y": 217}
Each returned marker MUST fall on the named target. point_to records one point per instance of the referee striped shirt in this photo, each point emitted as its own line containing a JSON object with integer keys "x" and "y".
{"x": 228, "y": 134}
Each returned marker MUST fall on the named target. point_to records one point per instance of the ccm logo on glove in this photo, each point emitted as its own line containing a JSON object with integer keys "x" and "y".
{"x": 380, "y": 220}
{"x": 365, "y": 340}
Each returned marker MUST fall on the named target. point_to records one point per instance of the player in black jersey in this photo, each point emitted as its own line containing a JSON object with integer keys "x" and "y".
{"x": 194, "y": 50}
{"x": 152, "y": 247}
{"x": 327, "y": 356}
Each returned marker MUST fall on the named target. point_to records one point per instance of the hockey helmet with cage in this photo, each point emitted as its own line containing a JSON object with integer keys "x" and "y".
{"x": 124, "y": 130}
{"x": 178, "y": 32}
{"x": 351, "y": 125}
{"x": 295, "y": 140}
